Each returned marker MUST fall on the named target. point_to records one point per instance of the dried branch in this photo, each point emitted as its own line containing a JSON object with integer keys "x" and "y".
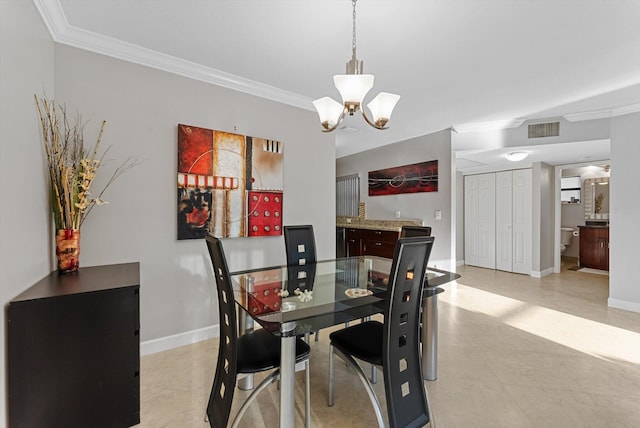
{"x": 72, "y": 168}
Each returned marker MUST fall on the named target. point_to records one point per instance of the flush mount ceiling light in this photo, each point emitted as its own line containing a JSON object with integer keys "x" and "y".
{"x": 353, "y": 87}
{"x": 516, "y": 156}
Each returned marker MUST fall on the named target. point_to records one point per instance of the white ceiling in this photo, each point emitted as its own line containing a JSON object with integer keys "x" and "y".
{"x": 454, "y": 62}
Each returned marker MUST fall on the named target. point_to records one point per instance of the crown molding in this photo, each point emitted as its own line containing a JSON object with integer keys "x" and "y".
{"x": 588, "y": 115}
{"x": 602, "y": 114}
{"x": 63, "y": 33}
{"x": 494, "y": 125}
{"x": 620, "y": 111}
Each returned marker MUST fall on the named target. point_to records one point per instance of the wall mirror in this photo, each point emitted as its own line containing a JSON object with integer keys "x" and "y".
{"x": 596, "y": 198}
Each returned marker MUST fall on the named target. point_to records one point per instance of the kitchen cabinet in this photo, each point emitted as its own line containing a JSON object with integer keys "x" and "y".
{"x": 594, "y": 247}
{"x": 341, "y": 243}
{"x": 73, "y": 350}
{"x": 370, "y": 242}
{"x": 353, "y": 242}
{"x": 380, "y": 243}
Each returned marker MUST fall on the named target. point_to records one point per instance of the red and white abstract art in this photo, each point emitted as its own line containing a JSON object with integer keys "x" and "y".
{"x": 229, "y": 185}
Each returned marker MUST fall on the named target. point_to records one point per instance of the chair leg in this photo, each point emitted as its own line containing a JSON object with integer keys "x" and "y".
{"x": 317, "y": 335}
{"x": 266, "y": 382}
{"x": 307, "y": 396}
{"x": 331, "y": 375}
{"x": 369, "y": 388}
{"x": 432, "y": 420}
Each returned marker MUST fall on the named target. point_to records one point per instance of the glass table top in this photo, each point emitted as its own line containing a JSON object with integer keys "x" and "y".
{"x": 293, "y": 300}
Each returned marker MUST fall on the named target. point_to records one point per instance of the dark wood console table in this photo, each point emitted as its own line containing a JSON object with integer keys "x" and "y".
{"x": 74, "y": 350}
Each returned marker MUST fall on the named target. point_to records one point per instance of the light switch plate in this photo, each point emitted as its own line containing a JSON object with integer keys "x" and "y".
{"x": 438, "y": 215}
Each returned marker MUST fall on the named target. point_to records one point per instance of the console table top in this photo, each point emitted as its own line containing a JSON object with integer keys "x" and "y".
{"x": 85, "y": 280}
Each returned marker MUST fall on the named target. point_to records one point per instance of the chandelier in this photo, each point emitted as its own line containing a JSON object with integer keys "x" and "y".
{"x": 353, "y": 87}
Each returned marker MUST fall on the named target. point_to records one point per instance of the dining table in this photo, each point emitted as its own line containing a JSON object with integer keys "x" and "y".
{"x": 291, "y": 301}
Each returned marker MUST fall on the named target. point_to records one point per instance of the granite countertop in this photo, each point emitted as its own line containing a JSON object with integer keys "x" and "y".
{"x": 391, "y": 225}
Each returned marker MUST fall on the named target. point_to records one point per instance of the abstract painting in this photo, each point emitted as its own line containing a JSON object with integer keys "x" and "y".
{"x": 414, "y": 178}
{"x": 229, "y": 185}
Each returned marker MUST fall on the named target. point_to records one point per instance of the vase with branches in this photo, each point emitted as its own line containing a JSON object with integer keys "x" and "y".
{"x": 72, "y": 168}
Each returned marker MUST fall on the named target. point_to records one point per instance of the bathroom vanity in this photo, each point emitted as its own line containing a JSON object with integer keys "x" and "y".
{"x": 594, "y": 246}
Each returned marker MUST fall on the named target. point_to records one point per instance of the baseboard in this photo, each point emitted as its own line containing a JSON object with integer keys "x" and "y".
{"x": 623, "y": 304}
{"x": 176, "y": 340}
{"x": 541, "y": 274}
{"x": 460, "y": 263}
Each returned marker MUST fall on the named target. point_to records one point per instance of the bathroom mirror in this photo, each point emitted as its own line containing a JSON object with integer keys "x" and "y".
{"x": 596, "y": 198}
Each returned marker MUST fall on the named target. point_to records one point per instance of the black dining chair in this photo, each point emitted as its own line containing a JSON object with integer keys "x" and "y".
{"x": 253, "y": 352}
{"x": 411, "y": 231}
{"x": 300, "y": 246}
{"x": 395, "y": 344}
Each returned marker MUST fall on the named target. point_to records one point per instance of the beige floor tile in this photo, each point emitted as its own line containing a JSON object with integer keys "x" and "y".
{"x": 514, "y": 351}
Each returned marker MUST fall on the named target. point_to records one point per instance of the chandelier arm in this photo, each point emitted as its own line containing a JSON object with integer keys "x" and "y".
{"x": 370, "y": 122}
{"x": 338, "y": 122}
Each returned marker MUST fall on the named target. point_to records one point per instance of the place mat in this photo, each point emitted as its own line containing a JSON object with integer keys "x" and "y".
{"x": 358, "y": 292}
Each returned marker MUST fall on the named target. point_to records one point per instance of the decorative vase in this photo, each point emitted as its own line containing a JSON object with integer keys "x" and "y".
{"x": 68, "y": 250}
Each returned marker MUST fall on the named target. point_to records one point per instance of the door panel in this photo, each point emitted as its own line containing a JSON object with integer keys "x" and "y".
{"x": 504, "y": 215}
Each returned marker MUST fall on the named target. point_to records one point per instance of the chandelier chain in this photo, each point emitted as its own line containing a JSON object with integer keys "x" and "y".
{"x": 353, "y": 43}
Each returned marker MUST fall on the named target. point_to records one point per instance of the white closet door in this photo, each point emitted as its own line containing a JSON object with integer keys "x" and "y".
{"x": 522, "y": 221}
{"x": 504, "y": 214}
{"x": 471, "y": 220}
{"x": 487, "y": 220}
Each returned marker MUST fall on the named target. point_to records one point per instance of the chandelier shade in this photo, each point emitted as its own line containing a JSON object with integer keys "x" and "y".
{"x": 382, "y": 106}
{"x": 330, "y": 111}
{"x": 353, "y": 87}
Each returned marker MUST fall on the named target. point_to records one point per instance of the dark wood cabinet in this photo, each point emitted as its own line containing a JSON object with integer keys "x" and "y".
{"x": 74, "y": 350}
{"x": 370, "y": 242}
{"x": 594, "y": 247}
{"x": 353, "y": 242}
{"x": 380, "y": 243}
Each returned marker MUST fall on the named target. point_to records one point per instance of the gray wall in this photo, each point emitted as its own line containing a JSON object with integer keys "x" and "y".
{"x": 543, "y": 218}
{"x": 624, "y": 288}
{"x": 26, "y": 68}
{"x": 142, "y": 107}
{"x": 416, "y": 205}
{"x": 515, "y": 137}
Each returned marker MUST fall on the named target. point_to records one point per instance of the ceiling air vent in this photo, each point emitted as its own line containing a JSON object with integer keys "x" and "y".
{"x": 539, "y": 130}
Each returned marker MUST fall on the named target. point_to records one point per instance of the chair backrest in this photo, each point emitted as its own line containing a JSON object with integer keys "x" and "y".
{"x": 404, "y": 386}
{"x": 410, "y": 231}
{"x": 300, "y": 277}
{"x": 300, "y": 245}
{"x": 224, "y": 382}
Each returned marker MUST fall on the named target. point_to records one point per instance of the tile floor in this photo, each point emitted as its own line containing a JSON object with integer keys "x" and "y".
{"x": 514, "y": 351}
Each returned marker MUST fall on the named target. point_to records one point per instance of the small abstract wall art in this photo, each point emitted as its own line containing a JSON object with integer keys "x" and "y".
{"x": 413, "y": 178}
{"x": 229, "y": 185}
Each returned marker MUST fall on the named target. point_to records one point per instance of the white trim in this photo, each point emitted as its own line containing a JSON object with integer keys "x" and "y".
{"x": 460, "y": 262}
{"x": 52, "y": 15}
{"x": 463, "y": 128}
{"x": 181, "y": 339}
{"x": 542, "y": 274}
{"x": 602, "y": 114}
{"x": 61, "y": 32}
{"x": 623, "y": 304}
